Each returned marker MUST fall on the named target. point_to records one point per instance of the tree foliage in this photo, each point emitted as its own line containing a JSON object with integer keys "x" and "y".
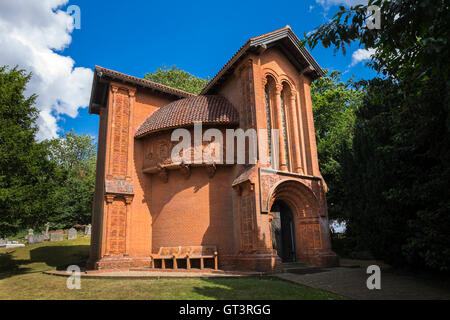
{"x": 39, "y": 181}
{"x": 397, "y": 177}
{"x": 334, "y": 104}
{"x": 25, "y": 172}
{"x": 75, "y": 159}
{"x": 176, "y": 78}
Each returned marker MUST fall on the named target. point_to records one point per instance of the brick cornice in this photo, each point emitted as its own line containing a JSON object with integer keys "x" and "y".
{"x": 115, "y": 86}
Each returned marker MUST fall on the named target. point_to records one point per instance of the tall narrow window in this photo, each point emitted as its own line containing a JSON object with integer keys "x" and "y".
{"x": 269, "y": 123}
{"x": 284, "y": 130}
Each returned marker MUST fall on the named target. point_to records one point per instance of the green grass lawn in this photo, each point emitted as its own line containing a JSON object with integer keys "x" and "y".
{"x": 21, "y": 277}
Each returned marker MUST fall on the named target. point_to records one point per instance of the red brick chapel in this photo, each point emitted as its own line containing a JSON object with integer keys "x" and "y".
{"x": 149, "y": 211}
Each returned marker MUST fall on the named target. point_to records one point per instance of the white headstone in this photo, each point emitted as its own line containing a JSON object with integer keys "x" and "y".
{"x": 30, "y": 234}
{"x": 57, "y": 236}
{"x": 38, "y": 238}
{"x": 72, "y": 234}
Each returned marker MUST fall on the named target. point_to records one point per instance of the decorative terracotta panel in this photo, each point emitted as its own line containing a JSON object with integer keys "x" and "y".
{"x": 117, "y": 218}
{"x": 120, "y": 133}
{"x": 247, "y": 210}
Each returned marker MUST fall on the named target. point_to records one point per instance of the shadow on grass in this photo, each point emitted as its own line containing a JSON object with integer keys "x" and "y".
{"x": 259, "y": 288}
{"x": 59, "y": 257}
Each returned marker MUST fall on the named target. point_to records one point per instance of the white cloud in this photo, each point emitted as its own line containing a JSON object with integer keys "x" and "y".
{"x": 327, "y": 4}
{"x": 32, "y": 36}
{"x": 361, "y": 55}
{"x": 349, "y": 3}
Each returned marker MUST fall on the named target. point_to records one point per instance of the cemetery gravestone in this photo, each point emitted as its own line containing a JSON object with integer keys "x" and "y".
{"x": 46, "y": 235}
{"x": 72, "y": 234}
{"x": 57, "y": 235}
{"x": 38, "y": 238}
{"x": 30, "y": 234}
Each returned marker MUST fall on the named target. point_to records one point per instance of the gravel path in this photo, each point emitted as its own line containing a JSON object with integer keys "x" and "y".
{"x": 351, "y": 283}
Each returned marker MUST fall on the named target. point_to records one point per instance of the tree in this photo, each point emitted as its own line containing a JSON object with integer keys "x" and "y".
{"x": 52, "y": 180}
{"x": 334, "y": 104}
{"x": 398, "y": 174}
{"x": 25, "y": 172}
{"x": 74, "y": 157}
{"x": 179, "y": 79}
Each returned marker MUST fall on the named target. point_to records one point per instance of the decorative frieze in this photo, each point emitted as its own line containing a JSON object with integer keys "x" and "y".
{"x": 119, "y": 186}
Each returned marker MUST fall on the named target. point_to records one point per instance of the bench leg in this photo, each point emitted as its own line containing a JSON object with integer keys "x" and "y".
{"x": 175, "y": 266}
{"x": 215, "y": 263}
{"x": 201, "y": 263}
{"x": 188, "y": 263}
{"x": 153, "y": 263}
{"x": 163, "y": 263}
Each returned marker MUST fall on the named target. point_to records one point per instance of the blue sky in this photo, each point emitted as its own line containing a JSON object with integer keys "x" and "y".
{"x": 135, "y": 37}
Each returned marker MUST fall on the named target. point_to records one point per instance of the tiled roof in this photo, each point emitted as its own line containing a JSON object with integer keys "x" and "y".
{"x": 285, "y": 32}
{"x": 139, "y": 81}
{"x": 207, "y": 109}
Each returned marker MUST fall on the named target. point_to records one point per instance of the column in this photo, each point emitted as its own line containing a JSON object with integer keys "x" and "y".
{"x": 279, "y": 121}
{"x": 109, "y": 198}
{"x": 305, "y": 82}
{"x": 131, "y": 95}
{"x": 119, "y": 188}
{"x": 303, "y": 143}
{"x": 295, "y": 132}
{"x": 128, "y": 200}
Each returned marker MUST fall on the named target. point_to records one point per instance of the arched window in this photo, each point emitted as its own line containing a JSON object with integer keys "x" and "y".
{"x": 284, "y": 124}
{"x": 269, "y": 121}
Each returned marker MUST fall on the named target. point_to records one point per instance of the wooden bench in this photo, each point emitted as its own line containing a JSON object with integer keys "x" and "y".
{"x": 166, "y": 253}
{"x": 188, "y": 253}
{"x": 202, "y": 252}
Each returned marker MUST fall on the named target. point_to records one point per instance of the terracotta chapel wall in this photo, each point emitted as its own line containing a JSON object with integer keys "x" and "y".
{"x": 146, "y": 103}
{"x": 245, "y": 88}
{"x": 197, "y": 210}
{"x": 122, "y": 224}
{"x": 194, "y": 210}
{"x": 274, "y": 63}
{"x": 238, "y": 88}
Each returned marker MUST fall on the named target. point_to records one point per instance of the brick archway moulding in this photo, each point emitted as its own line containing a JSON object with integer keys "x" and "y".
{"x": 310, "y": 236}
{"x": 300, "y": 198}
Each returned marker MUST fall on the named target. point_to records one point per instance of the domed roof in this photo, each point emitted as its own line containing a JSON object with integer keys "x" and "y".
{"x": 208, "y": 109}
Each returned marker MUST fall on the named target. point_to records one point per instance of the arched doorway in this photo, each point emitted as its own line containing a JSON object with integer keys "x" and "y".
{"x": 283, "y": 231}
{"x": 298, "y": 199}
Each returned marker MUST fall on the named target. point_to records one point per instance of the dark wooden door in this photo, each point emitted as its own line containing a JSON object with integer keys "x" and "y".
{"x": 283, "y": 232}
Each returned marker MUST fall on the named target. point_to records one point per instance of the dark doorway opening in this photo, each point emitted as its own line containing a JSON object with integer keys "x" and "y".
{"x": 283, "y": 232}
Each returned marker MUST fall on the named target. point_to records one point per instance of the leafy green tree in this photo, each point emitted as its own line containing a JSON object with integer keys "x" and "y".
{"x": 176, "y": 78}
{"x": 398, "y": 174}
{"x": 334, "y": 104}
{"x": 25, "y": 173}
{"x": 74, "y": 157}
